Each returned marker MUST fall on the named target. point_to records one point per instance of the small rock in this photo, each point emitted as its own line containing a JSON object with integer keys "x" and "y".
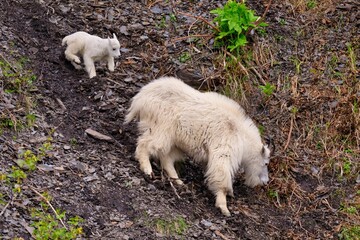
{"x": 128, "y": 79}
{"x": 45, "y": 167}
{"x": 39, "y": 139}
{"x": 314, "y": 170}
{"x": 136, "y": 26}
{"x": 98, "y": 135}
{"x": 124, "y": 50}
{"x": 136, "y": 181}
{"x": 91, "y": 178}
{"x": 143, "y": 37}
{"x": 151, "y": 187}
{"x": 206, "y": 223}
{"x": 156, "y": 9}
{"x": 123, "y": 30}
{"x": 109, "y": 176}
{"x": 126, "y": 224}
{"x": 67, "y": 147}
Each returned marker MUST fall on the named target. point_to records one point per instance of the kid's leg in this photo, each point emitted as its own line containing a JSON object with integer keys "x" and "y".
{"x": 111, "y": 64}
{"x": 89, "y": 66}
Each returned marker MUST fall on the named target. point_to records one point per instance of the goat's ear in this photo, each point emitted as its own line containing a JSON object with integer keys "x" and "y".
{"x": 271, "y": 145}
{"x": 114, "y": 36}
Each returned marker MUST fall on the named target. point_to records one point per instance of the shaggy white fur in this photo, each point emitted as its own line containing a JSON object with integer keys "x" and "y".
{"x": 92, "y": 49}
{"x": 175, "y": 119}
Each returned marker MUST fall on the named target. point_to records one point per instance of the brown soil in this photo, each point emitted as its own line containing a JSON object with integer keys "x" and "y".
{"x": 100, "y": 181}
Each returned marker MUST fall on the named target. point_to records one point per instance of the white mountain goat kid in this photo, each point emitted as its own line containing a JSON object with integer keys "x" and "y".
{"x": 175, "y": 119}
{"x": 92, "y": 49}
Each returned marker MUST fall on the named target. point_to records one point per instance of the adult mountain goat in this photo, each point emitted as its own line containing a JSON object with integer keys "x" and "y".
{"x": 176, "y": 120}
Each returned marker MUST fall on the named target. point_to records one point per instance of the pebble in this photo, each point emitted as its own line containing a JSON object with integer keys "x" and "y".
{"x": 156, "y": 9}
{"x": 151, "y": 187}
{"x": 206, "y": 223}
{"x": 123, "y": 30}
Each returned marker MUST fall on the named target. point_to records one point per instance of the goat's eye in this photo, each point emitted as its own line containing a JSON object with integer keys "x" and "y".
{"x": 114, "y": 49}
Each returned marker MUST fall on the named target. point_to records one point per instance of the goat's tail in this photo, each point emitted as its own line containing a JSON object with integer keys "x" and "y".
{"x": 132, "y": 114}
{"x": 133, "y": 111}
{"x": 64, "y": 41}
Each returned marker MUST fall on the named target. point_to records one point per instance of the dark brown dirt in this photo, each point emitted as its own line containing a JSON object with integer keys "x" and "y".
{"x": 101, "y": 181}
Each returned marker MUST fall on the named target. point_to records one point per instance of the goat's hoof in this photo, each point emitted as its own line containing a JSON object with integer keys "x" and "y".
{"x": 224, "y": 210}
{"x": 77, "y": 67}
{"x": 179, "y": 182}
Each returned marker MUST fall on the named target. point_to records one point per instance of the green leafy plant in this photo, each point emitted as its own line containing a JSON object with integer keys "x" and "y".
{"x": 234, "y": 20}
{"x": 17, "y": 174}
{"x": 162, "y": 24}
{"x": 47, "y": 226}
{"x": 273, "y": 193}
{"x": 73, "y": 141}
{"x": 311, "y": 4}
{"x": 282, "y": 21}
{"x": 177, "y": 226}
{"x": 347, "y": 166}
{"x": 173, "y": 17}
{"x": 352, "y": 57}
{"x": 267, "y": 89}
{"x": 30, "y": 118}
{"x": 19, "y": 81}
{"x": 184, "y": 57}
{"x": 297, "y": 64}
{"x": 350, "y": 233}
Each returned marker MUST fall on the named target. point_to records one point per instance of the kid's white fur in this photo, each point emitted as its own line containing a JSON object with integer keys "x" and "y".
{"x": 175, "y": 119}
{"x": 92, "y": 49}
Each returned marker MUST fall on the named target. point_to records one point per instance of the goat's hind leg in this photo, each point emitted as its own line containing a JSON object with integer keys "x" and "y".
{"x": 73, "y": 58}
{"x": 142, "y": 154}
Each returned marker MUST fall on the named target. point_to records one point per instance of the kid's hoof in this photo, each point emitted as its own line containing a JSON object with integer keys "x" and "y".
{"x": 77, "y": 60}
{"x": 77, "y": 66}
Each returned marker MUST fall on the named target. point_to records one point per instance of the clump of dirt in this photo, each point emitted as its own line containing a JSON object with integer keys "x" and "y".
{"x": 311, "y": 116}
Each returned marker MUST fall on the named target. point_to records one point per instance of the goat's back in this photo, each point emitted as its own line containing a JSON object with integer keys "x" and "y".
{"x": 170, "y": 100}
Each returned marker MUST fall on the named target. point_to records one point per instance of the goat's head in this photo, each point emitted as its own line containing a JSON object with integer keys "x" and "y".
{"x": 256, "y": 169}
{"x": 114, "y": 46}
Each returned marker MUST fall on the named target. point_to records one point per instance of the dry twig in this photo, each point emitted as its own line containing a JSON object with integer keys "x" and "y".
{"x": 202, "y": 19}
{"x": 2, "y": 212}
{"x": 289, "y": 134}
{"x": 217, "y": 232}
{"x": 175, "y": 191}
{"x": 8, "y": 63}
{"x": 49, "y": 204}
{"x": 240, "y": 65}
{"x": 190, "y": 36}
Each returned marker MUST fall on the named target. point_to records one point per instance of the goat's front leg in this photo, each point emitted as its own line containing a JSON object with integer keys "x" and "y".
{"x": 111, "y": 64}
{"x": 167, "y": 163}
{"x": 221, "y": 203}
{"x": 89, "y": 66}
